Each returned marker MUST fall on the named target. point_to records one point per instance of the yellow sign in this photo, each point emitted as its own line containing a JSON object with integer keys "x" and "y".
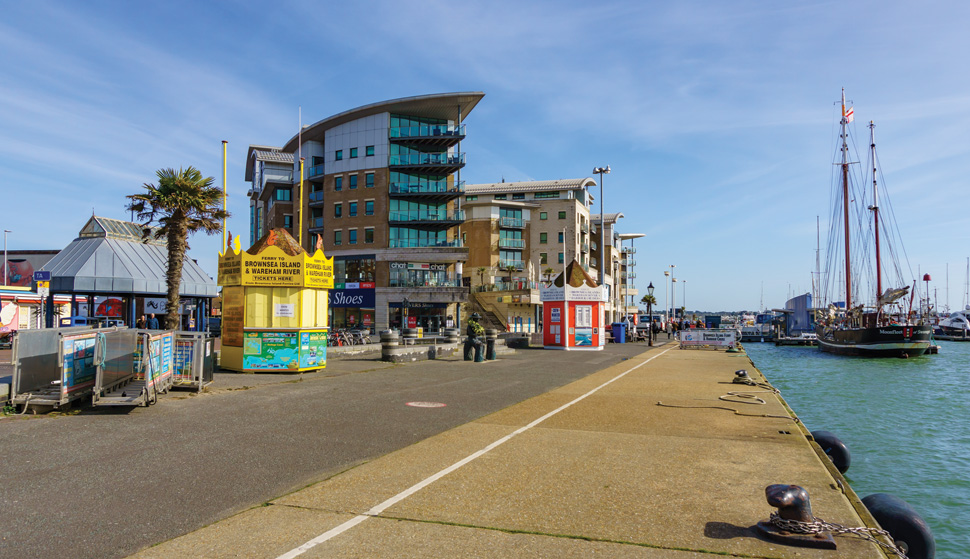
{"x": 274, "y": 268}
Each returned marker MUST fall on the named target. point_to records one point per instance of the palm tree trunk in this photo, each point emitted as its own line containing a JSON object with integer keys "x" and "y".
{"x": 177, "y": 235}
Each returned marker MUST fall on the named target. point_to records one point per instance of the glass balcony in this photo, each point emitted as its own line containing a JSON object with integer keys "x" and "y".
{"x": 423, "y": 243}
{"x": 421, "y": 163}
{"x": 315, "y": 171}
{"x": 584, "y": 228}
{"x": 511, "y": 222}
{"x": 448, "y": 281}
{"x": 427, "y": 215}
{"x": 517, "y": 264}
{"x": 315, "y": 196}
{"x": 514, "y": 285}
{"x": 629, "y": 250}
{"x": 629, "y": 275}
{"x": 511, "y": 243}
{"x": 316, "y": 222}
{"x": 584, "y": 247}
{"x": 427, "y": 131}
{"x": 628, "y": 262}
{"x": 426, "y": 188}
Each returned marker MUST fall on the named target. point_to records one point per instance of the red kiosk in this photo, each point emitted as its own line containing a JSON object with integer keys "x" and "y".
{"x": 572, "y": 309}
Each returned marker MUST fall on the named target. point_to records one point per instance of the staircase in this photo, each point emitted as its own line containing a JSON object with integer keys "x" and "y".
{"x": 489, "y": 318}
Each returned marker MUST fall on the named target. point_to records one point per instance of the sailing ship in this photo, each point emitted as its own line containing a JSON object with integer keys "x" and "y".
{"x": 884, "y": 327}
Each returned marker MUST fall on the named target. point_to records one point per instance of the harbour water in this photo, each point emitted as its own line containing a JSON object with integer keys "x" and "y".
{"x": 906, "y": 423}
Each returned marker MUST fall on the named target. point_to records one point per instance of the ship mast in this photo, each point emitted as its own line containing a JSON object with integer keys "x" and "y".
{"x": 845, "y": 205}
{"x": 875, "y": 208}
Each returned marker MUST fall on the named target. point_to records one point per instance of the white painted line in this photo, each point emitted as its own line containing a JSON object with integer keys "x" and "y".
{"x": 377, "y": 510}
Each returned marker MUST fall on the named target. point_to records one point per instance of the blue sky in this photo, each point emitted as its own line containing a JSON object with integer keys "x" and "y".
{"x": 717, "y": 118}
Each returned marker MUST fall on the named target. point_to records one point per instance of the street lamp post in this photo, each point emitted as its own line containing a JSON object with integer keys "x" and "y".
{"x": 673, "y": 295}
{"x": 6, "y": 271}
{"x": 602, "y": 171}
{"x": 650, "y": 314}
{"x": 673, "y": 301}
{"x": 685, "y": 296}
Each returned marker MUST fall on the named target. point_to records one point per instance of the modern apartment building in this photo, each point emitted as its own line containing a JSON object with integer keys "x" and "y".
{"x": 520, "y": 233}
{"x": 382, "y": 187}
{"x": 613, "y": 261}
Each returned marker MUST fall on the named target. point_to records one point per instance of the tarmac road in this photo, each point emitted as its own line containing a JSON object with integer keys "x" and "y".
{"x": 108, "y": 483}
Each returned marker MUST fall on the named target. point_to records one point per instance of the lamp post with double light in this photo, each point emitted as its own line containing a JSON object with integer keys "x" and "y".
{"x": 650, "y": 314}
{"x": 602, "y": 270}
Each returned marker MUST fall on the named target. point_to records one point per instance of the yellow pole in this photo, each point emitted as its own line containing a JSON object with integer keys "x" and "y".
{"x": 225, "y": 195}
{"x": 300, "y": 236}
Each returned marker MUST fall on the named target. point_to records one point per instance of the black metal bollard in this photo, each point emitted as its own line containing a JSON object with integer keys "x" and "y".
{"x": 479, "y": 357}
{"x": 491, "y": 335}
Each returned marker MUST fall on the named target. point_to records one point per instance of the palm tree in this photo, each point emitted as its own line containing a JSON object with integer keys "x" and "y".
{"x": 510, "y": 269}
{"x": 481, "y": 277}
{"x": 182, "y": 203}
{"x": 648, "y": 300}
{"x": 548, "y": 272}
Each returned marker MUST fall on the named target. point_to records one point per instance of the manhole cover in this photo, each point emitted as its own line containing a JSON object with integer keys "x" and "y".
{"x": 426, "y": 404}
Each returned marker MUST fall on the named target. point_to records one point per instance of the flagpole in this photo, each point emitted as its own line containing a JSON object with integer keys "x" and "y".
{"x": 225, "y": 195}
{"x": 299, "y": 148}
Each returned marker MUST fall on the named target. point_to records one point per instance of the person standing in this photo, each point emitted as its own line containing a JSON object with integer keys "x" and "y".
{"x": 152, "y": 322}
{"x": 141, "y": 323}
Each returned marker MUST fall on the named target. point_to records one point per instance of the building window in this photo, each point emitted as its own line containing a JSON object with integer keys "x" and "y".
{"x": 337, "y": 235}
{"x": 369, "y": 151}
{"x": 284, "y": 195}
{"x": 471, "y": 198}
{"x": 560, "y": 236}
{"x": 353, "y": 209}
{"x": 368, "y": 207}
{"x": 353, "y": 153}
{"x": 338, "y": 211}
{"x": 518, "y": 196}
{"x": 541, "y": 195}
{"x": 288, "y": 221}
{"x": 562, "y": 215}
{"x": 543, "y": 258}
{"x": 543, "y": 215}
{"x": 353, "y": 181}
{"x": 543, "y": 238}
{"x": 352, "y": 237}
{"x": 338, "y": 184}
{"x": 369, "y": 235}
{"x": 561, "y": 258}
{"x": 369, "y": 179}
{"x": 339, "y": 155}
{"x": 501, "y": 196}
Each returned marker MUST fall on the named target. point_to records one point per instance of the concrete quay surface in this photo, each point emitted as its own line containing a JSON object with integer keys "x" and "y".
{"x": 643, "y": 458}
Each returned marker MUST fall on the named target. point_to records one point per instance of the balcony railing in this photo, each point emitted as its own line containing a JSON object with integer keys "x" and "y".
{"x": 514, "y": 285}
{"x": 423, "y": 243}
{"x": 511, "y": 222}
{"x": 584, "y": 228}
{"x": 427, "y": 131}
{"x": 420, "y": 159}
{"x": 315, "y": 171}
{"x": 426, "y": 215}
{"x": 629, "y": 250}
{"x": 629, "y": 275}
{"x": 426, "y": 188}
{"x": 628, "y": 262}
{"x": 316, "y": 222}
{"x": 511, "y": 243}
{"x": 449, "y": 281}
{"x": 517, "y": 264}
{"x": 584, "y": 247}
{"x": 316, "y": 196}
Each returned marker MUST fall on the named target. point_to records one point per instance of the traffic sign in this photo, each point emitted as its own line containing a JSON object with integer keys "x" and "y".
{"x": 42, "y": 275}
{"x": 43, "y": 288}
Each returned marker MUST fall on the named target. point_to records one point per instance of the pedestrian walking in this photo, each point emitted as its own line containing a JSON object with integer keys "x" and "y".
{"x": 152, "y": 322}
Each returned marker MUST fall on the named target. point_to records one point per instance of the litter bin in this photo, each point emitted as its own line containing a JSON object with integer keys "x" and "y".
{"x": 619, "y": 332}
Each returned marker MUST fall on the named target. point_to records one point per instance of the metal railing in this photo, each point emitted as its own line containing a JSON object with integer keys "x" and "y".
{"x": 511, "y": 243}
{"x": 426, "y": 215}
{"x": 425, "y": 188}
{"x": 511, "y": 222}
{"x": 423, "y": 243}
{"x": 629, "y": 250}
{"x": 428, "y": 159}
{"x": 517, "y": 264}
{"x": 427, "y": 131}
{"x": 315, "y": 171}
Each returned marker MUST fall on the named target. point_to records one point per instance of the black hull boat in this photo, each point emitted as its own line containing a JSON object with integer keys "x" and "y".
{"x": 884, "y": 341}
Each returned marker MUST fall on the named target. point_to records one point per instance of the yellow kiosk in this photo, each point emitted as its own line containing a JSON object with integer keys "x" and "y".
{"x": 274, "y": 305}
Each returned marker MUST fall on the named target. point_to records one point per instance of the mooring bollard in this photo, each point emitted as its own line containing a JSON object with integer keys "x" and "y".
{"x": 491, "y": 335}
{"x": 410, "y": 335}
{"x": 452, "y": 335}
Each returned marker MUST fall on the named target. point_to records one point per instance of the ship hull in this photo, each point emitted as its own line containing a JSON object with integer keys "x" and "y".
{"x": 886, "y": 341}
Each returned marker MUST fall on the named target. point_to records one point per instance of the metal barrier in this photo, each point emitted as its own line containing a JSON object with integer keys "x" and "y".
{"x": 195, "y": 360}
{"x": 53, "y": 367}
{"x": 138, "y": 367}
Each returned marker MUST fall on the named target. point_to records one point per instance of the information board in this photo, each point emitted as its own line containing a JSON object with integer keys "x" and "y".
{"x": 271, "y": 350}
{"x": 707, "y": 338}
{"x": 313, "y": 349}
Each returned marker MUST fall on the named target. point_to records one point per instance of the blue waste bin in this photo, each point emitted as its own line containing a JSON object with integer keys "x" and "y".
{"x": 619, "y": 332}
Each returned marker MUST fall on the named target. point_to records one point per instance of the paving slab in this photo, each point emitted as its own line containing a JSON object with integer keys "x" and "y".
{"x": 654, "y": 462}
